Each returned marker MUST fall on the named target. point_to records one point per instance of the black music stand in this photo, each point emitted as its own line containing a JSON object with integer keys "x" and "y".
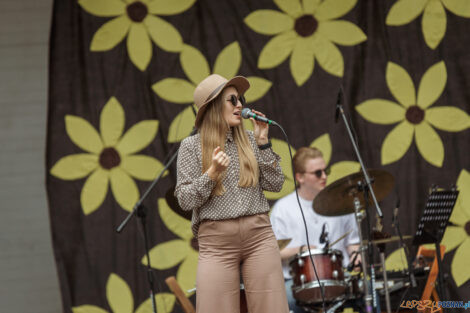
{"x": 433, "y": 223}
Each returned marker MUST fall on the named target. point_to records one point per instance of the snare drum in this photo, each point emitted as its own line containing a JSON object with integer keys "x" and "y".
{"x": 328, "y": 264}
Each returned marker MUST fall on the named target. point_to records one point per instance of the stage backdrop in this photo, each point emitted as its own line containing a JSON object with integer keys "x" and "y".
{"x": 122, "y": 76}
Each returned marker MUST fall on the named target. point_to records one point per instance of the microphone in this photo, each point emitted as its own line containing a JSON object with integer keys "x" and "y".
{"x": 324, "y": 234}
{"x": 247, "y": 113}
{"x": 339, "y": 101}
{"x": 351, "y": 264}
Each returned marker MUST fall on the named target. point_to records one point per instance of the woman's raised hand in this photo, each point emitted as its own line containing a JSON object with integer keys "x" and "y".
{"x": 260, "y": 129}
{"x": 220, "y": 162}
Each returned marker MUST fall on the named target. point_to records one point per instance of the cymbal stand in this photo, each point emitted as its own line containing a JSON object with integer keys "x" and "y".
{"x": 359, "y": 217}
{"x": 384, "y": 270}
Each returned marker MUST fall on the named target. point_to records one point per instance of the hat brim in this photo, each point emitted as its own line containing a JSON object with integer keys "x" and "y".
{"x": 239, "y": 82}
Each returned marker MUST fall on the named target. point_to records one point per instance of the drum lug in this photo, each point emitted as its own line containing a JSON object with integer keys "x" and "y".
{"x": 302, "y": 279}
{"x": 335, "y": 274}
{"x": 300, "y": 262}
{"x": 333, "y": 258}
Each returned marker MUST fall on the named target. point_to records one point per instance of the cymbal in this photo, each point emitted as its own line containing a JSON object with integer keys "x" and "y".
{"x": 338, "y": 198}
{"x": 173, "y": 203}
{"x": 387, "y": 240}
{"x": 282, "y": 243}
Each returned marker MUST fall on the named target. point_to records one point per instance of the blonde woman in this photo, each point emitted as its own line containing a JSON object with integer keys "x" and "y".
{"x": 221, "y": 174}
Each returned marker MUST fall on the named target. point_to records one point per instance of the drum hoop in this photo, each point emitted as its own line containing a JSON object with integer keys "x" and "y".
{"x": 324, "y": 283}
{"x": 321, "y": 252}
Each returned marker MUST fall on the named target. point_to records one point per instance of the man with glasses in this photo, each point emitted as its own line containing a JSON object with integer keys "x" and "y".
{"x": 311, "y": 175}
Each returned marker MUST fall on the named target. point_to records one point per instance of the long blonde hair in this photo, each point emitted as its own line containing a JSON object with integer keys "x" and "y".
{"x": 213, "y": 132}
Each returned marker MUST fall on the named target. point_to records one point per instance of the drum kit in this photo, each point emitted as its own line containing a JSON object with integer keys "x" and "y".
{"x": 342, "y": 197}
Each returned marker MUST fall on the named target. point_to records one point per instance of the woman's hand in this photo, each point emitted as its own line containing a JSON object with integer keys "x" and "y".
{"x": 220, "y": 162}
{"x": 260, "y": 129}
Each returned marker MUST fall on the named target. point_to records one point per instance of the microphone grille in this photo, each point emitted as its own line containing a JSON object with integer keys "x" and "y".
{"x": 246, "y": 112}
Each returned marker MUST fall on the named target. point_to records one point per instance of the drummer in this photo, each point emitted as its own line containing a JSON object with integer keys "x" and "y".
{"x": 311, "y": 175}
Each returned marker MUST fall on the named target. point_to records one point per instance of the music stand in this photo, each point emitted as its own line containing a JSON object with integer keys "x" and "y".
{"x": 433, "y": 222}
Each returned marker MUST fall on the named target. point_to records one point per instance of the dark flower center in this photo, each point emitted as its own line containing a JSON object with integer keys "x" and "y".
{"x": 415, "y": 114}
{"x": 306, "y": 25}
{"x": 109, "y": 158}
{"x": 194, "y": 244}
{"x": 137, "y": 11}
{"x": 467, "y": 228}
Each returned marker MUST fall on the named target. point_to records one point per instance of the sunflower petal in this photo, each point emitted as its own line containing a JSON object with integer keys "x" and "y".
{"x": 182, "y": 125}
{"x": 459, "y": 267}
{"x": 229, "y": 60}
{"x": 329, "y": 57}
{"x": 112, "y": 122}
{"x": 396, "y": 261}
{"x": 186, "y": 274}
{"x": 269, "y": 22}
{"x": 88, "y": 309}
{"x": 404, "y": 11}
{"x": 169, "y": 7}
{"x": 83, "y": 134}
{"x": 124, "y": 189}
{"x": 277, "y": 50}
{"x": 139, "y": 46}
{"x": 400, "y": 85}
{"x": 342, "y": 32}
{"x": 258, "y": 88}
{"x": 302, "y": 61}
{"x": 142, "y": 167}
{"x": 332, "y": 9}
{"x": 453, "y": 237}
{"x": 177, "y": 224}
{"x": 448, "y": 118}
{"x": 323, "y": 143}
{"x": 168, "y": 254}
{"x": 397, "y": 143}
{"x": 287, "y": 188}
{"x": 381, "y": 111}
{"x": 194, "y": 64}
{"x": 310, "y": 6}
{"x": 75, "y": 166}
{"x": 103, "y": 8}
{"x": 110, "y": 34}
{"x": 458, "y": 7}
{"x": 429, "y": 144}
{"x": 174, "y": 90}
{"x": 434, "y": 23}
{"x": 119, "y": 295}
{"x": 432, "y": 85}
{"x": 461, "y": 213}
{"x": 165, "y": 303}
{"x": 163, "y": 34}
{"x": 138, "y": 137}
{"x": 94, "y": 191}
{"x": 291, "y": 7}
{"x": 342, "y": 169}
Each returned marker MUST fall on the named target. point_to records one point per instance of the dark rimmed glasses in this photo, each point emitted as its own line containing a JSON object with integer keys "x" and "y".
{"x": 319, "y": 173}
{"x": 234, "y": 100}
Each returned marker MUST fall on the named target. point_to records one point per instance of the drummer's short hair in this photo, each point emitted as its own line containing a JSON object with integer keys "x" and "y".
{"x": 304, "y": 154}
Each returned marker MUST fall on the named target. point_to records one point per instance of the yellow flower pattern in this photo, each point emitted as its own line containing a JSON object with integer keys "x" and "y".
{"x": 171, "y": 253}
{"x": 138, "y": 20}
{"x": 110, "y": 158}
{"x": 121, "y": 300}
{"x": 414, "y": 114}
{"x": 458, "y": 236}
{"x": 196, "y": 68}
{"x": 434, "y": 22}
{"x": 306, "y": 31}
{"x": 323, "y": 143}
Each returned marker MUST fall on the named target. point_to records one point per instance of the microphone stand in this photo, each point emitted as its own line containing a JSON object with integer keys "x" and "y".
{"x": 367, "y": 188}
{"x": 141, "y": 213}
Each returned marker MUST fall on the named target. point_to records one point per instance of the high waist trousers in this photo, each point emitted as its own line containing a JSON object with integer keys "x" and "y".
{"x": 244, "y": 245}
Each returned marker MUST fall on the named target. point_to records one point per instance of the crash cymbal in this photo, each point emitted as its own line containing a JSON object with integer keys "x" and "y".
{"x": 282, "y": 243}
{"x": 173, "y": 203}
{"x": 338, "y": 198}
{"x": 387, "y": 240}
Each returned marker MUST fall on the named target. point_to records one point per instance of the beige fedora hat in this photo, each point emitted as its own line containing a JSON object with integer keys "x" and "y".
{"x": 211, "y": 87}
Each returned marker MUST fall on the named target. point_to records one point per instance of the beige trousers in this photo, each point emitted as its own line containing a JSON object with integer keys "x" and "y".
{"x": 244, "y": 245}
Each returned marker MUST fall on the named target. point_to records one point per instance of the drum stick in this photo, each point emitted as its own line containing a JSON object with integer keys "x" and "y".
{"x": 338, "y": 240}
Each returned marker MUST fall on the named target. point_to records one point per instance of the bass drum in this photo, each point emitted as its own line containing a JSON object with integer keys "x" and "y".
{"x": 328, "y": 264}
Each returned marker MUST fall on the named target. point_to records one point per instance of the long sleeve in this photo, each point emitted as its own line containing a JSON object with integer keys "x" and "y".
{"x": 271, "y": 176}
{"x": 193, "y": 188}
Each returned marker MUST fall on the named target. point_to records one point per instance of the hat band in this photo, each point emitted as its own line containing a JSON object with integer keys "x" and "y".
{"x": 216, "y": 90}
